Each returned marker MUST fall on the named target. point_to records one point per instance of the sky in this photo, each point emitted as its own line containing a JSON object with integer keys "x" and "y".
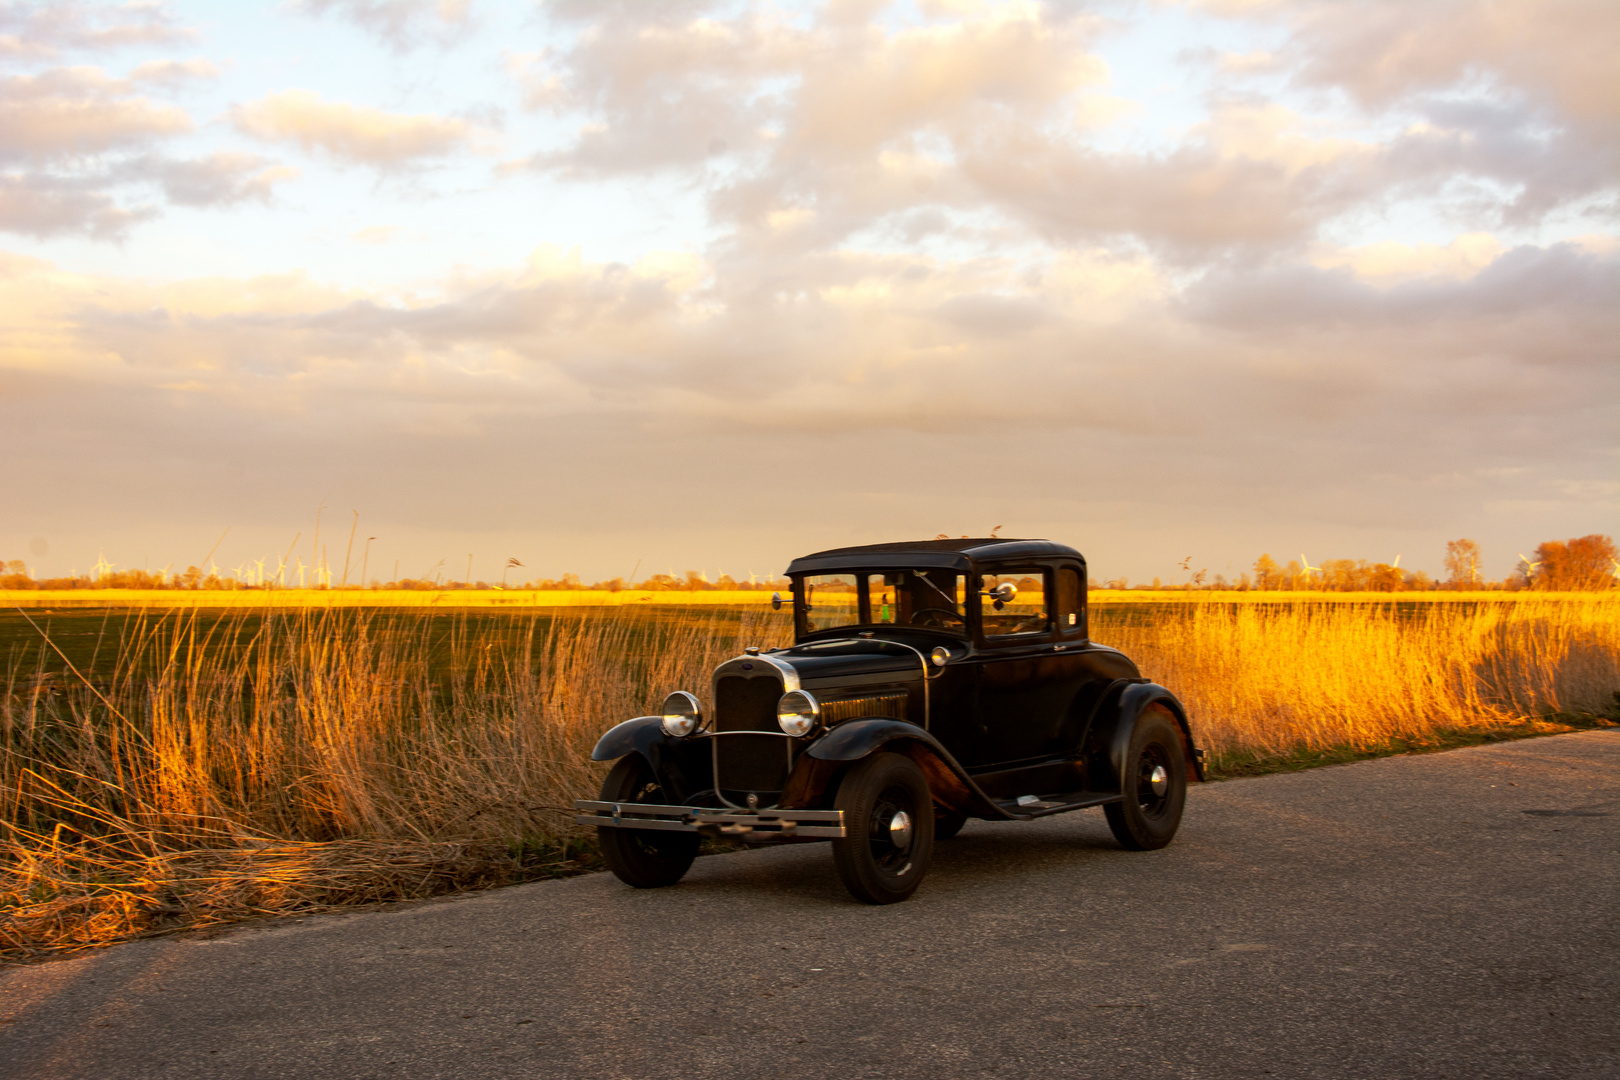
{"x": 649, "y": 286}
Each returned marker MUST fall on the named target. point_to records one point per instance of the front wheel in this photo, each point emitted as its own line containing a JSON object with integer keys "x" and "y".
{"x": 889, "y": 829}
{"x": 1155, "y": 784}
{"x": 643, "y": 858}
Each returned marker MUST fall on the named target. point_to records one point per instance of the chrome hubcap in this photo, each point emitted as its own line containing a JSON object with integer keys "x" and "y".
{"x": 900, "y": 830}
{"x": 1159, "y": 780}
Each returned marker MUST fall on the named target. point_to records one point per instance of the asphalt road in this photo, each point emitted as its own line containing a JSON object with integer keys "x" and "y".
{"x": 1446, "y": 915}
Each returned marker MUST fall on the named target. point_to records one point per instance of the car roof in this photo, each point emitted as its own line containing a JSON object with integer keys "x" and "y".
{"x": 959, "y": 554}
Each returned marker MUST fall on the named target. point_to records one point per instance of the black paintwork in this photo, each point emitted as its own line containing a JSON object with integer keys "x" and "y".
{"x": 1048, "y": 714}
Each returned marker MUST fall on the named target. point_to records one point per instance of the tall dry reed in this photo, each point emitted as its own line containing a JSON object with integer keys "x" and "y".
{"x": 1269, "y": 679}
{"x": 314, "y": 757}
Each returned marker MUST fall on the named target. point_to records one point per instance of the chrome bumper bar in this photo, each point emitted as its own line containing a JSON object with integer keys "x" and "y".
{"x": 735, "y": 824}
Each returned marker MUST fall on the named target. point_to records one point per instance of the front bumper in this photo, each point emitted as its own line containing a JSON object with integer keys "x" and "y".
{"x": 753, "y": 826}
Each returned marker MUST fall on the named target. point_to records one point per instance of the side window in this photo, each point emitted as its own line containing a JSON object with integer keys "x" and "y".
{"x": 1023, "y": 612}
{"x": 1070, "y": 607}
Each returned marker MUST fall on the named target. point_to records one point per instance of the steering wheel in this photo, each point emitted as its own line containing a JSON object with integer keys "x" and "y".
{"x": 943, "y": 618}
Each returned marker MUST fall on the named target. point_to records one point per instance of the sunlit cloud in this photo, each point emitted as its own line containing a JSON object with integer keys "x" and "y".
{"x": 353, "y": 133}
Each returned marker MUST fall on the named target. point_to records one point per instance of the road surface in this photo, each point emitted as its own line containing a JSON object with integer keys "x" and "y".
{"x": 1446, "y": 915}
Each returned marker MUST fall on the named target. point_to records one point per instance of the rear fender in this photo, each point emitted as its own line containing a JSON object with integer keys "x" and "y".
{"x": 1131, "y": 702}
{"x": 853, "y": 740}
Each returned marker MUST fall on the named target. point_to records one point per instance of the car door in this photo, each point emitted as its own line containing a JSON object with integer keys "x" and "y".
{"x": 1030, "y": 670}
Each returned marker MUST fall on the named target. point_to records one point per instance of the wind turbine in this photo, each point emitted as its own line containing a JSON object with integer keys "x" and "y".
{"x": 1309, "y": 569}
{"x": 1529, "y": 567}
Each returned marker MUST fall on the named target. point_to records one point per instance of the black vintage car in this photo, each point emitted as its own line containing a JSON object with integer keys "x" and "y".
{"x": 931, "y": 682}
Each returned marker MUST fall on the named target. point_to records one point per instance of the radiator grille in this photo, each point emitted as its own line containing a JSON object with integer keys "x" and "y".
{"x": 747, "y": 763}
{"x": 746, "y": 704}
{"x": 835, "y": 712}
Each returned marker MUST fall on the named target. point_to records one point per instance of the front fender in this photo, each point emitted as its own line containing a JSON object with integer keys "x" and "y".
{"x": 639, "y": 734}
{"x": 947, "y": 780}
{"x": 1132, "y": 702}
{"x": 682, "y": 766}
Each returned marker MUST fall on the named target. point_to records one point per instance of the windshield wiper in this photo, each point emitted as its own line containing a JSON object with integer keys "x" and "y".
{"x": 926, "y": 580}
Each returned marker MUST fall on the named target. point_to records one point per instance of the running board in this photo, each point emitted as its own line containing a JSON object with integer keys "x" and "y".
{"x": 1047, "y": 805}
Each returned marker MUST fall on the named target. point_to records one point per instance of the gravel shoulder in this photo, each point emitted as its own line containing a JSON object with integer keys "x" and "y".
{"x": 1439, "y": 915}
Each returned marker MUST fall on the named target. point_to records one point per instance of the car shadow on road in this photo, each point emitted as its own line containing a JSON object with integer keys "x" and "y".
{"x": 985, "y": 856}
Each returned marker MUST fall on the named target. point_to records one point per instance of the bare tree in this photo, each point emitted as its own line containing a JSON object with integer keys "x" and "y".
{"x": 1462, "y": 564}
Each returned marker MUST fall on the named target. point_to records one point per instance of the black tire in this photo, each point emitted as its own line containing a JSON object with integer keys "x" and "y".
{"x": 947, "y": 822}
{"x": 1151, "y": 813}
{"x": 643, "y": 858}
{"x": 875, "y": 866}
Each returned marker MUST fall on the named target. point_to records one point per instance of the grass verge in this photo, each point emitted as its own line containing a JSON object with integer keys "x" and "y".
{"x": 289, "y": 762}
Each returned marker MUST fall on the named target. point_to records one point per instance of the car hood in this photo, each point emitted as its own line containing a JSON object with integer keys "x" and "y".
{"x": 853, "y": 662}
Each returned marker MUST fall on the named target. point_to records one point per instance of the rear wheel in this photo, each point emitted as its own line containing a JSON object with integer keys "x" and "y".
{"x": 889, "y": 825}
{"x": 1155, "y": 784}
{"x": 644, "y": 858}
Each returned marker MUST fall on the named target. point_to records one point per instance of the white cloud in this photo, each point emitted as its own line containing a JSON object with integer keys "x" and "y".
{"x": 359, "y": 134}
{"x": 400, "y": 24}
{"x": 48, "y": 29}
{"x": 79, "y": 111}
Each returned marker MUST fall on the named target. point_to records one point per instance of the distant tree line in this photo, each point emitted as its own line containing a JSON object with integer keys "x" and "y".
{"x": 14, "y": 575}
{"x": 1587, "y": 563}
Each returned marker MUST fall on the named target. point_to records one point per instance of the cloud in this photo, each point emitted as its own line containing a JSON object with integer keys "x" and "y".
{"x": 74, "y": 112}
{"x": 809, "y": 131}
{"x": 43, "y": 206}
{"x": 77, "y": 139}
{"x": 48, "y": 29}
{"x": 1316, "y": 401}
{"x": 400, "y": 24}
{"x": 937, "y": 238}
{"x": 220, "y": 179}
{"x": 358, "y": 134}
{"x": 1561, "y": 53}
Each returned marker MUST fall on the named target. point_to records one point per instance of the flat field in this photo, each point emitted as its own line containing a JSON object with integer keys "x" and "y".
{"x": 180, "y": 766}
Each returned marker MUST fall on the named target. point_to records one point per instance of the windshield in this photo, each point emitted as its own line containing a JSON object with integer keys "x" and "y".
{"x": 925, "y": 598}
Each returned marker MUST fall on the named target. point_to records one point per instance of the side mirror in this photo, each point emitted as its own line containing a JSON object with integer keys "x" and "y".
{"x": 776, "y": 601}
{"x": 1003, "y": 593}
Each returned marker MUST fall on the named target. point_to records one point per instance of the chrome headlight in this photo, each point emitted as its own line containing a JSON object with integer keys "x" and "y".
{"x": 682, "y": 714}
{"x": 798, "y": 712}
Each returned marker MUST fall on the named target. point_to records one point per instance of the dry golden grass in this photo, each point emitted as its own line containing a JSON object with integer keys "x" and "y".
{"x": 333, "y": 757}
{"x": 319, "y": 757}
{"x": 1270, "y": 679}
